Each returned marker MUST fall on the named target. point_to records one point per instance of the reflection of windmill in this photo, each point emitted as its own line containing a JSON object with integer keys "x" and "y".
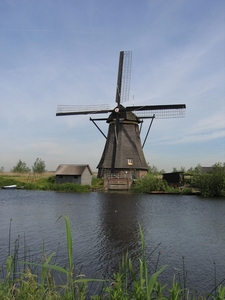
{"x": 123, "y": 152}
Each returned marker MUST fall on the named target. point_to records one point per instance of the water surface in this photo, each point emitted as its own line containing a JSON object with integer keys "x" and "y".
{"x": 189, "y": 229}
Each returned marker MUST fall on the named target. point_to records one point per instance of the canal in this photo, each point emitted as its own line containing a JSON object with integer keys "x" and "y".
{"x": 186, "y": 233}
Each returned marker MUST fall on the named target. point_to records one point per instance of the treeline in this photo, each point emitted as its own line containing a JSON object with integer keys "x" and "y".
{"x": 210, "y": 183}
{"x": 21, "y": 167}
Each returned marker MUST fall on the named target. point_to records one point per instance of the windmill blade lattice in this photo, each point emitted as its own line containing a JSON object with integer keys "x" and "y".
{"x": 159, "y": 111}
{"x": 66, "y": 110}
{"x": 124, "y": 76}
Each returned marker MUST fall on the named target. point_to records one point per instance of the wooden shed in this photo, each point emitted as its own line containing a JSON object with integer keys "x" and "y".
{"x": 174, "y": 178}
{"x": 79, "y": 174}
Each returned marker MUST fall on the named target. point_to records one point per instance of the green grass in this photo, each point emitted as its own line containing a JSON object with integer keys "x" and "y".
{"x": 132, "y": 281}
{"x": 47, "y": 183}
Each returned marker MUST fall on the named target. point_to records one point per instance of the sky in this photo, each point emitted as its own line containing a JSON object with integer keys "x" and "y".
{"x": 62, "y": 52}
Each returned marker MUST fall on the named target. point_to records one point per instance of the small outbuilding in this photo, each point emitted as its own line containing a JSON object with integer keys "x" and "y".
{"x": 205, "y": 170}
{"x": 79, "y": 174}
{"x": 174, "y": 178}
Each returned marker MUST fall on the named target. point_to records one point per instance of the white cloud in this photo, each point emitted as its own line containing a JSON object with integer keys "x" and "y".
{"x": 211, "y": 123}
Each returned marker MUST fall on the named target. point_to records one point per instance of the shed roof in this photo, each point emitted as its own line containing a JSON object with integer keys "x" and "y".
{"x": 71, "y": 169}
{"x": 172, "y": 173}
{"x": 205, "y": 170}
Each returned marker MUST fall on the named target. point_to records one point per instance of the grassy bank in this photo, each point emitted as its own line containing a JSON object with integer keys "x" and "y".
{"x": 21, "y": 179}
{"x": 45, "y": 181}
{"x": 134, "y": 280}
{"x": 208, "y": 185}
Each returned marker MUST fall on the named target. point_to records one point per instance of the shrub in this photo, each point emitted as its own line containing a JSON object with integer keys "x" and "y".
{"x": 212, "y": 183}
{"x": 149, "y": 183}
{"x": 97, "y": 182}
{"x": 51, "y": 179}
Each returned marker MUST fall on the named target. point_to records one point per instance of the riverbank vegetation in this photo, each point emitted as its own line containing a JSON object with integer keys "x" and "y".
{"x": 24, "y": 279}
{"x": 44, "y": 181}
{"x": 210, "y": 183}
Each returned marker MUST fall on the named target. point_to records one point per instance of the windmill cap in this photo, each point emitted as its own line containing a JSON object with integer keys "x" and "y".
{"x": 124, "y": 115}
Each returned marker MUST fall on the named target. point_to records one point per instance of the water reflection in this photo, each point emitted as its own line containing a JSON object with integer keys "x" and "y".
{"x": 119, "y": 228}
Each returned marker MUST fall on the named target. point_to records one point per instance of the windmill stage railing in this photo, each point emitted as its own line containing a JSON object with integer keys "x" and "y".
{"x": 117, "y": 176}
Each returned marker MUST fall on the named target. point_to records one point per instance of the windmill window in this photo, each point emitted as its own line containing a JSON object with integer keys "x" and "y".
{"x": 130, "y": 161}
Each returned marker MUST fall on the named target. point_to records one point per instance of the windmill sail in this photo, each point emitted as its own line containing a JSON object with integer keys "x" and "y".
{"x": 66, "y": 110}
{"x": 159, "y": 111}
{"x": 122, "y": 94}
{"x": 124, "y": 76}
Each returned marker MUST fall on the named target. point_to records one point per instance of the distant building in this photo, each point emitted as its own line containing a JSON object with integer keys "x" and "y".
{"x": 204, "y": 170}
{"x": 79, "y": 174}
{"x": 174, "y": 178}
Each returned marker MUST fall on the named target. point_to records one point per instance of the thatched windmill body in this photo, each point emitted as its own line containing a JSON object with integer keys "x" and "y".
{"x": 123, "y": 152}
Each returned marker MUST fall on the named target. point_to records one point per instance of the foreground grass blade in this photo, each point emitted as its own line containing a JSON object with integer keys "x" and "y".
{"x": 44, "y": 268}
{"x": 69, "y": 242}
{"x": 154, "y": 278}
{"x": 47, "y": 266}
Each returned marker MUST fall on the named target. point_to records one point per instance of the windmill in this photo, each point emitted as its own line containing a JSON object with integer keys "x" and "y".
{"x": 123, "y": 152}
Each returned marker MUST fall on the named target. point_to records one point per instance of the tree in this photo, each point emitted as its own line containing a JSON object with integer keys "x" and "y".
{"x": 20, "y": 167}
{"x": 212, "y": 183}
{"x": 182, "y": 169}
{"x": 197, "y": 169}
{"x": 39, "y": 166}
{"x": 190, "y": 170}
{"x": 153, "y": 170}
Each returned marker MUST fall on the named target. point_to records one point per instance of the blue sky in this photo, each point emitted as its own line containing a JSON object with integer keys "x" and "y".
{"x": 66, "y": 52}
